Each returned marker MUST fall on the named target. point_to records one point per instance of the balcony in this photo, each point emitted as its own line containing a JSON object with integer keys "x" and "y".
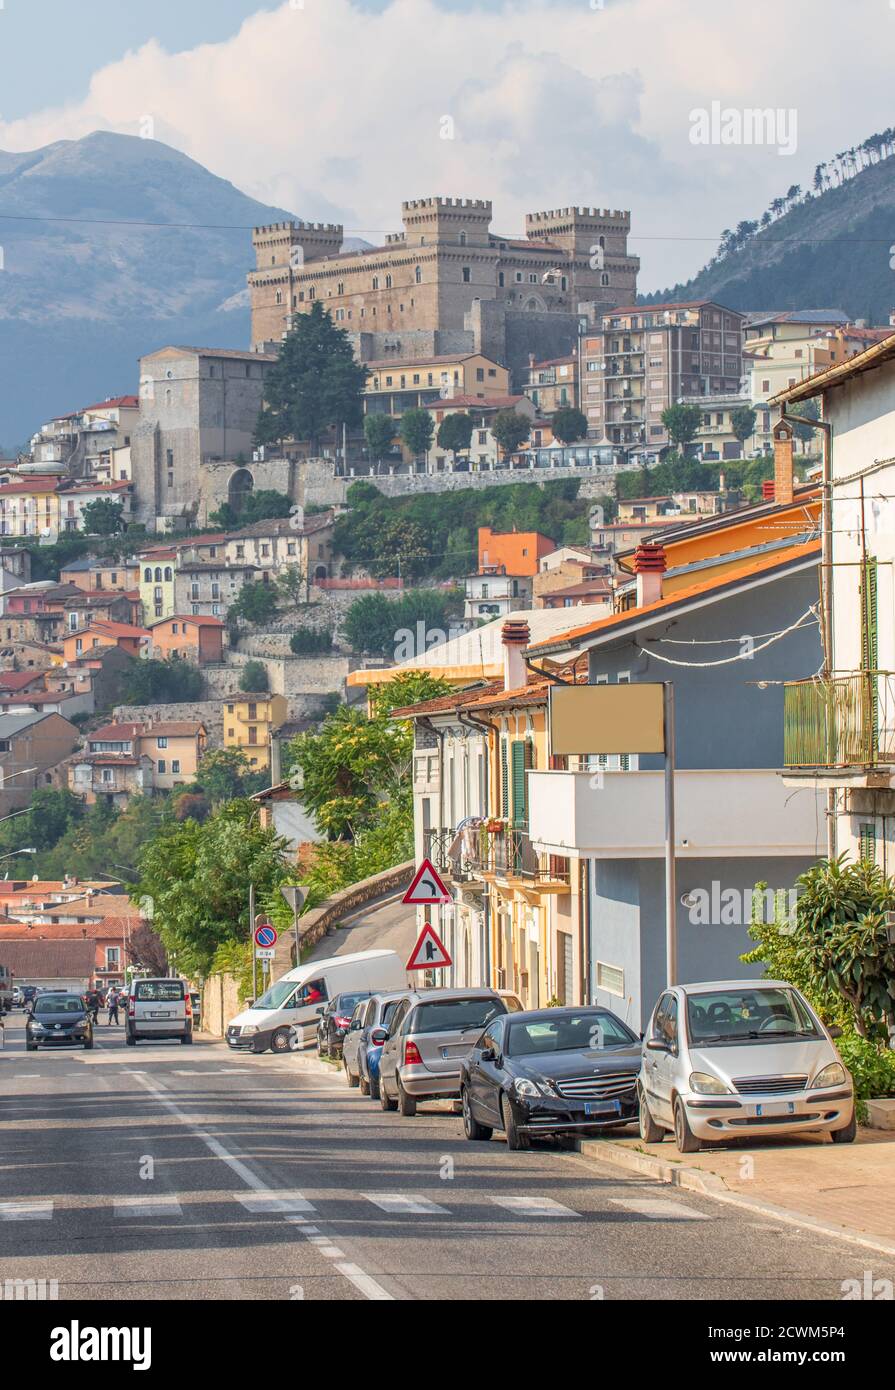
{"x": 845, "y": 722}
{"x": 504, "y": 855}
{"x": 719, "y": 812}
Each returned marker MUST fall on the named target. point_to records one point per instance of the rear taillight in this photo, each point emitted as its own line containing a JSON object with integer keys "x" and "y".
{"x": 343, "y": 1022}
{"x": 131, "y": 1007}
{"x": 189, "y": 1006}
{"x": 377, "y": 1042}
{"x": 412, "y": 1056}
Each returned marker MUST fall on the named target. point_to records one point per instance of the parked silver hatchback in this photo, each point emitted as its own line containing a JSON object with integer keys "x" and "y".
{"x": 735, "y": 1059}
{"x": 429, "y": 1035}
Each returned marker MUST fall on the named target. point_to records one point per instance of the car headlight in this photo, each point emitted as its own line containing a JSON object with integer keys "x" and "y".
{"x": 36, "y": 1027}
{"x": 833, "y": 1075}
{"x": 524, "y": 1087}
{"x": 705, "y": 1085}
{"x": 248, "y": 1029}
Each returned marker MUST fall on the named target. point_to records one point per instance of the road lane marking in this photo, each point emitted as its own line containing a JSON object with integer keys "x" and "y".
{"x": 26, "y": 1211}
{"x": 363, "y": 1282}
{"x": 535, "y": 1206}
{"x": 399, "y": 1204}
{"x": 263, "y": 1203}
{"x": 660, "y": 1208}
{"x": 126, "y": 1207}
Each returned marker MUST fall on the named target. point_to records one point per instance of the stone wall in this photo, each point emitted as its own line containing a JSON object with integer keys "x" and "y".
{"x": 318, "y": 485}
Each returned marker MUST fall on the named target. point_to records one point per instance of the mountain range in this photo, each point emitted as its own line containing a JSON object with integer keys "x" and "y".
{"x": 833, "y": 245}
{"x": 90, "y": 281}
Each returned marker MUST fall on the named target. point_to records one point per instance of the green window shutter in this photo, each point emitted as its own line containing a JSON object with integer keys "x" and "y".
{"x": 868, "y": 843}
{"x": 504, "y": 780}
{"x": 520, "y": 751}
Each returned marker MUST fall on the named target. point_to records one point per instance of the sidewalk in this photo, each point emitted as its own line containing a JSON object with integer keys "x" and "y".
{"x": 846, "y": 1190}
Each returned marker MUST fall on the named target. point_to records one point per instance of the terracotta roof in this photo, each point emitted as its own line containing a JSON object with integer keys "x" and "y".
{"x": 197, "y": 619}
{"x": 599, "y": 585}
{"x": 18, "y": 680}
{"x": 35, "y": 485}
{"x": 116, "y": 733}
{"x": 174, "y": 728}
{"x": 125, "y": 402}
{"x": 476, "y": 402}
{"x": 441, "y": 704}
{"x": 110, "y": 629}
{"x": 112, "y": 929}
{"x": 653, "y": 308}
{"x": 680, "y": 597}
{"x": 113, "y": 905}
{"x": 49, "y": 960}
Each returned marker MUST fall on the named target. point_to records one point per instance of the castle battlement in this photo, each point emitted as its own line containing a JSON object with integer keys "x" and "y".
{"x": 574, "y": 213}
{"x": 272, "y": 227}
{"x": 434, "y": 204}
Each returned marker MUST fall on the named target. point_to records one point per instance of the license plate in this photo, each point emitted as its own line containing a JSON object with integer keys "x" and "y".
{"x": 160, "y": 1013}
{"x": 776, "y": 1107}
{"x": 602, "y": 1107}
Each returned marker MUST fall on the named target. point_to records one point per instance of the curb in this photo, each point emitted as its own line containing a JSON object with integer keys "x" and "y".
{"x": 713, "y": 1185}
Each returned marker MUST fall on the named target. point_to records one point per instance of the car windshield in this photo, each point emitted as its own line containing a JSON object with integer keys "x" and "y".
{"x": 276, "y": 996}
{"x": 570, "y": 1033}
{"x": 347, "y": 1001}
{"x": 734, "y": 1015}
{"x": 455, "y": 1015}
{"x": 159, "y": 991}
{"x": 60, "y": 1004}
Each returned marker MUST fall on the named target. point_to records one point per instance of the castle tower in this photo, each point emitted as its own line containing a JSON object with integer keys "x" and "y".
{"x": 463, "y": 221}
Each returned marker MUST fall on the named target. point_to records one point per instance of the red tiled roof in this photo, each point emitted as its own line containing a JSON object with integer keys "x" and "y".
{"x": 49, "y": 960}
{"x": 116, "y": 733}
{"x": 18, "y": 680}
{"x": 476, "y": 402}
{"x": 35, "y": 485}
{"x": 197, "y": 619}
{"x": 125, "y": 402}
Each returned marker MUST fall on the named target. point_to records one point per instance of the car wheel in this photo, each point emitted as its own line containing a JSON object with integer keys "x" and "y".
{"x": 515, "y": 1140}
{"x": 406, "y": 1103}
{"x": 684, "y": 1137}
{"x": 279, "y": 1041}
{"x": 364, "y": 1084}
{"x": 375, "y": 1089}
{"x": 650, "y": 1132}
{"x": 353, "y": 1081}
{"x": 471, "y": 1125}
{"x": 385, "y": 1099}
{"x": 847, "y": 1135}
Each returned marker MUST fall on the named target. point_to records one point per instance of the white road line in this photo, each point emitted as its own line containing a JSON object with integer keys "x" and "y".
{"x": 26, "y": 1211}
{"x": 265, "y": 1203}
{"x": 126, "y": 1207}
{"x": 535, "y": 1206}
{"x": 660, "y": 1208}
{"x": 363, "y": 1282}
{"x": 399, "y": 1204}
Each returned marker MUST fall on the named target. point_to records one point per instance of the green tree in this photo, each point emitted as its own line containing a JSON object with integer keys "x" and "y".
{"x": 416, "y": 430}
{"x": 742, "y": 422}
{"x": 836, "y": 944}
{"x": 455, "y": 433}
{"x": 222, "y": 774}
{"x": 103, "y": 517}
{"x": 197, "y": 878}
{"x": 806, "y": 410}
{"x": 171, "y": 681}
{"x": 263, "y": 505}
{"x": 569, "y": 424}
{"x": 309, "y": 641}
{"x": 510, "y": 430}
{"x": 291, "y": 586}
{"x": 256, "y": 603}
{"x": 682, "y": 423}
{"x": 379, "y": 432}
{"x": 254, "y": 678}
{"x": 315, "y": 385}
{"x": 50, "y": 815}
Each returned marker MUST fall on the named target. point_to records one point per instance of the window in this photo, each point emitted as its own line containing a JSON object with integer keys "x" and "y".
{"x": 175, "y": 765}
{"x": 161, "y": 743}
{"x": 147, "y": 575}
{"x": 388, "y": 282}
{"x": 467, "y": 274}
{"x": 162, "y": 765}
{"x": 500, "y": 279}
{"x": 867, "y": 840}
{"x": 113, "y": 957}
{"x": 253, "y": 711}
{"x": 418, "y": 275}
{"x": 611, "y": 978}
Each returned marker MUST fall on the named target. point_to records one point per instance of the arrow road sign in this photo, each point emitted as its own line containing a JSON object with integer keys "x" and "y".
{"x": 429, "y": 953}
{"x": 426, "y": 887}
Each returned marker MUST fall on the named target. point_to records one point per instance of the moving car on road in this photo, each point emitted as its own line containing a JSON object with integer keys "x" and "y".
{"x": 734, "y": 1059}
{"x": 335, "y": 1021}
{"x": 58, "y": 1020}
{"x": 553, "y": 1072}
{"x": 287, "y": 1014}
{"x": 158, "y": 1009}
{"x": 430, "y": 1035}
{"x": 363, "y": 1042}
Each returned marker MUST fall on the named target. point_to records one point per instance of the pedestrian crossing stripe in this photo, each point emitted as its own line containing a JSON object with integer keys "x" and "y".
{"x": 535, "y": 1206}
{"x": 660, "y": 1208}
{"x": 400, "y": 1204}
{"x": 160, "y": 1205}
{"x": 272, "y": 1203}
{"x": 26, "y": 1211}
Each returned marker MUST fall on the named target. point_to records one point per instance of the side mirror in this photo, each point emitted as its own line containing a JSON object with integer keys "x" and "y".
{"x": 322, "y": 1009}
{"x": 657, "y": 1045}
{"x": 378, "y": 1036}
{"x": 249, "y": 1003}
{"x": 834, "y": 1030}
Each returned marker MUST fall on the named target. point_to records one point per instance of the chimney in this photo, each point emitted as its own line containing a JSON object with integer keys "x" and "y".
{"x": 767, "y": 490}
{"x": 515, "y": 635}
{"x": 649, "y": 566}
{"x": 782, "y": 462}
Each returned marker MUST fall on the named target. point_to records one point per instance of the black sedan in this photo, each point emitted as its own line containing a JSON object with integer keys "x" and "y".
{"x": 58, "y": 1020}
{"x": 556, "y": 1072}
{"x": 335, "y": 1022}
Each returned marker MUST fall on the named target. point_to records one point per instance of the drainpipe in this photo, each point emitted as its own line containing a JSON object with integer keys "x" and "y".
{"x": 826, "y": 583}
{"x": 484, "y": 725}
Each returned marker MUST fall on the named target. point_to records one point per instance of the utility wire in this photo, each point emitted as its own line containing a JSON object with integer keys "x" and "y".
{"x": 742, "y": 656}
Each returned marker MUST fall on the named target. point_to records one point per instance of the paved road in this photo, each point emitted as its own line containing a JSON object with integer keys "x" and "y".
{"x": 167, "y": 1172}
{"x": 386, "y": 924}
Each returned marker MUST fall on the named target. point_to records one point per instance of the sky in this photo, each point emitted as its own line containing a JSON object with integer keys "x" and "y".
{"x": 341, "y": 109}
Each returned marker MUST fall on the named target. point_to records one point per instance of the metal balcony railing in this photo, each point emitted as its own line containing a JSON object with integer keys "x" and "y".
{"x": 840, "y": 721}
{"x": 474, "y": 851}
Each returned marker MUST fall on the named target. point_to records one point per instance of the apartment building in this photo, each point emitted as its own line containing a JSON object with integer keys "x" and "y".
{"x": 30, "y": 745}
{"x": 197, "y": 639}
{"x": 249, "y": 723}
{"x": 395, "y": 386}
{"x": 553, "y": 384}
{"x": 130, "y": 759}
{"x": 642, "y": 359}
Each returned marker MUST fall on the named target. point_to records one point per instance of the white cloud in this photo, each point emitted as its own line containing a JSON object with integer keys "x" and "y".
{"x": 338, "y": 114}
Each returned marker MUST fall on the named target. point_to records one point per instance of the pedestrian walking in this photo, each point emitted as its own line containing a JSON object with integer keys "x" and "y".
{"x": 112, "y": 1003}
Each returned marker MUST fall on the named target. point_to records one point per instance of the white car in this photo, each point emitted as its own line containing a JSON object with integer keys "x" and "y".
{"x": 738, "y": 1058}
{"x": 157, "y": 1009}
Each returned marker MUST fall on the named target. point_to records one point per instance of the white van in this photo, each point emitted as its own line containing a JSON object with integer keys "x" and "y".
{"x": 158, "y": 1009}
{"x": 299, "y": 997}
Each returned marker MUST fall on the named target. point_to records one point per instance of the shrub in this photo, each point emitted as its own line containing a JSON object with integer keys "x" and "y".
{"x": 308, "y": 641}
{"x": 254, "y": 678}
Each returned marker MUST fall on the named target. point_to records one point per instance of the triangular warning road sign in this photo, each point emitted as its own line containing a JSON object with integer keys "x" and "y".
{"x": 426, "y": 887}
{"x": 429, "y": 953}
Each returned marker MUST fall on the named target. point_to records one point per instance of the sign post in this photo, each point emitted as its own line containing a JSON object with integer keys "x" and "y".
{"x": 295, "y": 896}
